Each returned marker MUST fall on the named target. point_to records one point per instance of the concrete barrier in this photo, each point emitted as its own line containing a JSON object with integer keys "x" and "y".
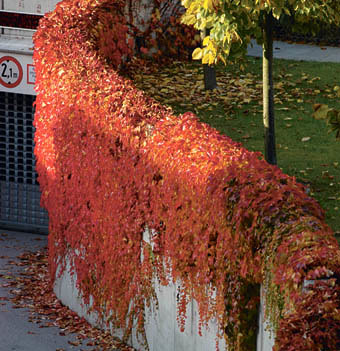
{"x": 162, "y": 331}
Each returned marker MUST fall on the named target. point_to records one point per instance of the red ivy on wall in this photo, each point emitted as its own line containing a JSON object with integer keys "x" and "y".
{"x": 113, "y": 162}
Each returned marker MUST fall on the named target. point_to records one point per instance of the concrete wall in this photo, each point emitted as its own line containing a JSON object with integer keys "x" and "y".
{"x": 30, "y": 6}
{"x": 162, "y": 331}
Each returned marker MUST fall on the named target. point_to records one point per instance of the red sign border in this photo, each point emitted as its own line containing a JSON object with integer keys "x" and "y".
{"x": 11, "y": 58}
{"x": 28, "y": 74}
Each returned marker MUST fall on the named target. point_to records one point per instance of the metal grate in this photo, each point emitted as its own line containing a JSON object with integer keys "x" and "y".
{"x": 19, "y": 190}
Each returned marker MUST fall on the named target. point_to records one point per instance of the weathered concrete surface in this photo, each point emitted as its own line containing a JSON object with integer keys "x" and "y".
{"x": 162, "y": 331}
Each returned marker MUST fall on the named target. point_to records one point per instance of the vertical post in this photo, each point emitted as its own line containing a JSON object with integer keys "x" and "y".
{"x": 268, "y": 90}
{"x": 2, "y": 8}
{"x": 209, "y": 72}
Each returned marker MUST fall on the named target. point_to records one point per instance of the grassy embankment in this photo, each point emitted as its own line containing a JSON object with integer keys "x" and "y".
{"x": 305, "y": 149}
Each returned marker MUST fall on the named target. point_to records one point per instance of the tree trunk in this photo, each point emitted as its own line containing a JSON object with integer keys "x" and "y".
{"x": 209, "y": 77}
{"x": 268, "y": 91}
{"x": 209, "y": 72}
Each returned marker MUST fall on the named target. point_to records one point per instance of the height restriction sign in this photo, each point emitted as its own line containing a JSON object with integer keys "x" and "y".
{"x": 10, "y": 72}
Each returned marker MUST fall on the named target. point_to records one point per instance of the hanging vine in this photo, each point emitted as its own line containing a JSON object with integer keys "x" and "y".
{"x": 113, "y": 162}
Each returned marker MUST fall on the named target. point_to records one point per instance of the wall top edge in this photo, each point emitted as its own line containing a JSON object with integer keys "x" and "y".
{"x": 15, "y": 44}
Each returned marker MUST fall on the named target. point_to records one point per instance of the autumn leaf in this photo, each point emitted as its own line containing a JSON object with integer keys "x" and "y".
{"x": 320, "y": 111}
{"x": 45, "y": 309}
{"x": 144, "y": 50}
{"x": 197, "y": 54}
{"x": 337, "y": 90}
{"x": 208, "y": 4}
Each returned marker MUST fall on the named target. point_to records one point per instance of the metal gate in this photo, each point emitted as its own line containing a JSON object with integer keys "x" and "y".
{"x": 19, "y": 190}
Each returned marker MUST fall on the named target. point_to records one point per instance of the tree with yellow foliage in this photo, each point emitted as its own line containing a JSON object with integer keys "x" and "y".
{"x": 233, "y": 23}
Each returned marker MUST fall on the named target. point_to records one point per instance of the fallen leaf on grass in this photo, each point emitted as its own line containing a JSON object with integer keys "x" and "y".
{"x": 172, "y": 84}
{"x": 321, "y": 111}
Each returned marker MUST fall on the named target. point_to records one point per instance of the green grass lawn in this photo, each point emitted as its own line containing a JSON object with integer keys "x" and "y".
{"x": 305, "y": 149}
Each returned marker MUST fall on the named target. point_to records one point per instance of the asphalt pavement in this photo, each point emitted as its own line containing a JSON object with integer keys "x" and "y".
{"x": 298, "y": 52}
{"x": 16, "y": 331}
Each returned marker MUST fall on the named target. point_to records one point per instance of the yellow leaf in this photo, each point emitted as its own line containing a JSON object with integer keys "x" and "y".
{"x": 208, "y": 5}
{"x": 320, "y": 111}
{"x": 208, "y": 59}
{"x": 205, "y": 59}
{"x": 197, "y": 54}
{"x": 206, "y": 41}
{"x": 188, "y": 19}
{"x": 337, "y": 90}
{"x": 223, "y": 59}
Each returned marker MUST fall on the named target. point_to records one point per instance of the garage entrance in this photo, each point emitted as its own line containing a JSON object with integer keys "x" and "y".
{"x": 19, "y": 190}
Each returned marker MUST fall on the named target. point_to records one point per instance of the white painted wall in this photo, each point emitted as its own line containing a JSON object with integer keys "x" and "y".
{"x": 162, "y": 331}
{"x": 30, "y": 6}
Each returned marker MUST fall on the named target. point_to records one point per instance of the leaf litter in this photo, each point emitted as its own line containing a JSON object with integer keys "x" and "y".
{"x": 31, "y": 288}
{"x": 181, "y": 85}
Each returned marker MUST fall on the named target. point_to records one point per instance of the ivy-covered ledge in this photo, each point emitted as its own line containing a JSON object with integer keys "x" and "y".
{"x": 113, "y": 162}
{"x": 162, "y": 331}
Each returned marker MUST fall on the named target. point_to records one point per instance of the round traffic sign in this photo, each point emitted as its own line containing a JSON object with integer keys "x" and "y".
{"x": 10, "y": 72}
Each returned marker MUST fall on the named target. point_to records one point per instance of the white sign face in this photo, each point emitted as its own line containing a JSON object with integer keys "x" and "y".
{"x": 10, "y": 72}
{"x": 17, "y": 73}
{"x": 30, "y": 74}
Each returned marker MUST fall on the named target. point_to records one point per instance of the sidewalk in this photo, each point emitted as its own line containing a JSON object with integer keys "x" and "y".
{"x": 298, "y": 52}
{"x": 16, "y": 331}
